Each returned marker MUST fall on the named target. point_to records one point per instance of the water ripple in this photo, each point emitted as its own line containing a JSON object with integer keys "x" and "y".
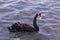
{"x": 23, "y": 11}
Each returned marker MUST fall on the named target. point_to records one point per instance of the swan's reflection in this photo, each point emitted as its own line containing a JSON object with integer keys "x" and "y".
{"x": 27, "y": 36}
{"x": 16, "y": 39}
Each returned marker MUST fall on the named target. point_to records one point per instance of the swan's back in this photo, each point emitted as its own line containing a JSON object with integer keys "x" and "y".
{"x": 26, "y": 27}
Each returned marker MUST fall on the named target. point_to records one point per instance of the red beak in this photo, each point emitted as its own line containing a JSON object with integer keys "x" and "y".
{"x": 40, "y": 16}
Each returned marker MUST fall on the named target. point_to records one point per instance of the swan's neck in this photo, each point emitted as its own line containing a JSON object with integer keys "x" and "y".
{"x": 34, "y": 23}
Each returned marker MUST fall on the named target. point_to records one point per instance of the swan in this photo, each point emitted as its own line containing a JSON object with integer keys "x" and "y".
{"x": 20, "y": 27}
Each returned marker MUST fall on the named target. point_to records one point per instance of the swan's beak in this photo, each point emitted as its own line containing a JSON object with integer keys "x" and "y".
{"x": 40, "y": 16}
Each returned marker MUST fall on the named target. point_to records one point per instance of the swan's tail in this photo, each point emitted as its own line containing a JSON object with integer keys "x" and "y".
{"x": 9, "y": 29}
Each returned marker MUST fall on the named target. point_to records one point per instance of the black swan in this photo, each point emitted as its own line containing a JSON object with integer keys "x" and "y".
{"x": 20, "y": 27}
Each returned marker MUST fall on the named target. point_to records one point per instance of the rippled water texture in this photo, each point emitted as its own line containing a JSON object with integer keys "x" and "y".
{"x": 23, "y": 11}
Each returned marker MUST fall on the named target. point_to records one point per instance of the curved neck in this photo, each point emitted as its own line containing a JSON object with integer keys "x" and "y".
{"x": 34, "y": 23}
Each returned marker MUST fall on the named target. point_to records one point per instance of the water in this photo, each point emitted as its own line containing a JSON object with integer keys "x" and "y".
{"x": 23, "y": 11}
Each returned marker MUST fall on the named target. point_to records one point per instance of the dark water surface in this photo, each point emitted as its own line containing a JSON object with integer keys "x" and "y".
{"x": 23, "y": 11}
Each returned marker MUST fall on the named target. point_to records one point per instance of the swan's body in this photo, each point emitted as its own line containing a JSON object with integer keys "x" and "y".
{"x": 24, "y": 28}
{"x": 19, "y": 27}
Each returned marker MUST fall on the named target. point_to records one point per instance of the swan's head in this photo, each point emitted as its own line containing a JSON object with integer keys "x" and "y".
{"x": 39, "y": 15}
